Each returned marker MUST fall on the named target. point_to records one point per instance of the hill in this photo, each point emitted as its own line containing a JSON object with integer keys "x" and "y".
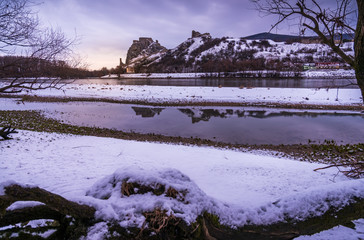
{"x": 203, "y": 53}
{"x": 276, "y": 37}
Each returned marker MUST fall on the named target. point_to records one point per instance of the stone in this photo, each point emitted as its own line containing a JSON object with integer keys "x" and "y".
{"x": 198, "y": 34}
{"x": 143, "y": 45}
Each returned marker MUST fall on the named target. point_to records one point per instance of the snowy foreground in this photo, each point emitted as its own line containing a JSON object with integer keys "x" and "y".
{"x": 238, "y": 187}
{"x": 172, "y": 94}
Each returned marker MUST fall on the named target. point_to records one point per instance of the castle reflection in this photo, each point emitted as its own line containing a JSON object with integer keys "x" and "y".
{"x": 147, "y": 112}
{"x": 203, "y": 114}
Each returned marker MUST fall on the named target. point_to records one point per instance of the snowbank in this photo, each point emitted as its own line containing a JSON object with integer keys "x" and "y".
{"x": 187, "y": 203}
{"x": 191, "y": 201}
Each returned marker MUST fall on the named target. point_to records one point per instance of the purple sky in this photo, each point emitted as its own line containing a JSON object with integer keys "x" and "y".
{"x": 108, "y": 27}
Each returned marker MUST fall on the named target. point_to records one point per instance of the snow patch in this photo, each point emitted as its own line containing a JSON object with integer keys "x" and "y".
{"x": 188, "y": 203}
{"x": 23, "y": 204}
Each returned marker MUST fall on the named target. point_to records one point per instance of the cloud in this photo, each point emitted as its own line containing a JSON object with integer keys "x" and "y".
{"x": 108, "y": 27}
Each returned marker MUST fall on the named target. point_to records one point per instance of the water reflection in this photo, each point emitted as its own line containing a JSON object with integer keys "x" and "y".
{"x": 147, "y": 112}
{"x": 198, "y": 115}
{"x": 241, "y": 125}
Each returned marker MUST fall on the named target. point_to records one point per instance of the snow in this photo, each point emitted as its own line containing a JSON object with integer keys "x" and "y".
{"x": 129, "y": 210}
{"x": 276, "y": 50}
{"x": 239, "y": 187}
{"x": 177, "y": 94}
{"x": 23, "y": 204}
{"x": 32, "y": 224}
{"x": 197, "y": 42}
{"x": 158, "y": 75}
{"x": 338, "y": 73}
{"x": 339, "y": 232}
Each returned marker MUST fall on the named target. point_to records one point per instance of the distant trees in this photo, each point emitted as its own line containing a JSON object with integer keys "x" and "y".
{"x": 329, "y": 23}
{"x": 31, "y": 51}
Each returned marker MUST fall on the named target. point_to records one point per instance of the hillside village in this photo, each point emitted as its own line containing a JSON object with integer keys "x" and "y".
{"x": 203, "y": 53}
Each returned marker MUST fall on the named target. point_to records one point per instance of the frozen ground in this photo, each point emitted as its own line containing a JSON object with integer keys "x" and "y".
{"x": 171, "y": 94}
{"x": 237, "y": 186}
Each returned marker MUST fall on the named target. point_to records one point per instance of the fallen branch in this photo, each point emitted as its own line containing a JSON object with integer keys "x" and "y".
{"x": 356, "y": 168}
{"x": 5, "y": 131}
{"x": 54, "y": 201}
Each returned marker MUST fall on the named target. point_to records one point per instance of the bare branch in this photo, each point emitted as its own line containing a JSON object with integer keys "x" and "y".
{"x": 46, "y": 54}
{"x": 5, "y": 131}
{"x": 329, "y": 24}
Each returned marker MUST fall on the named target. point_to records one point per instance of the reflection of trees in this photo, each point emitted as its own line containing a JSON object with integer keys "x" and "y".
{"x": 146, "y": 111}
{"x": 198, "y": 115}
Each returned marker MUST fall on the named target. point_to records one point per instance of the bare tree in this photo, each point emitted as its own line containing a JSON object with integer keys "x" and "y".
{"x": 329, "y": 23}
{"x": 34, "y": 55}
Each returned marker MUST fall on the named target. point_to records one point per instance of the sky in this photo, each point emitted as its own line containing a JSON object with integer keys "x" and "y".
{"x": 107, "y": 28}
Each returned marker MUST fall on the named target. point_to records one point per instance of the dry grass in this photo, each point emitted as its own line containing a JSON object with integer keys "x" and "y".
{"x": 158, "y": 220}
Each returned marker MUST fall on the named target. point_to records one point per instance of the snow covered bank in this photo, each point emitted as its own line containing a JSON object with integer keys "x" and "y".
{"x": 238, "y": 187}
{"x": 171, "y": 94}
{"x": 190, "y": 201}
{"x": 339, "y": 73}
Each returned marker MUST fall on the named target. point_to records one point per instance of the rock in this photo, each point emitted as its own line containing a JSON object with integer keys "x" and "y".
{"x": 145, "y": 46}
{"x": 198, "y": 34}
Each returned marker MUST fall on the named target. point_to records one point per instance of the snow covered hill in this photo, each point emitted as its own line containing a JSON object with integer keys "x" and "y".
{"x": 203, "y": 53}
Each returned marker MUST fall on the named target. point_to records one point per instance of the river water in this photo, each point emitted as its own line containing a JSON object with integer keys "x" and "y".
{"x": 241, "y": 125}
{"x": 227, "y": 82}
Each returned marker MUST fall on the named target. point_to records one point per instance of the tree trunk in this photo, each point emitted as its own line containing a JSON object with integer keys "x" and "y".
{"x": 54, "y": 201}
{"x": 359, "y": 47}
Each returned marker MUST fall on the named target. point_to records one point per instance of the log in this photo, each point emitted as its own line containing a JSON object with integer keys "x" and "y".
{"x": 53, "y": 201}
{"x": 28, "y": 214}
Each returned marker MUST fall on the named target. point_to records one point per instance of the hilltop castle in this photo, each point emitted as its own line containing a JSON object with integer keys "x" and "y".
{"x": 143, "y": 45}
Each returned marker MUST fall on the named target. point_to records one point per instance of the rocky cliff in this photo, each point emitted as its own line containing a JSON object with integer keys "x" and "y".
{"x": 143, "y": 47}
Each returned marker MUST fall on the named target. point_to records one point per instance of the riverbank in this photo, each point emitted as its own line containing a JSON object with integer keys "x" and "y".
{"x": 322, "y": 73}
{"x": 218, "y": 96}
